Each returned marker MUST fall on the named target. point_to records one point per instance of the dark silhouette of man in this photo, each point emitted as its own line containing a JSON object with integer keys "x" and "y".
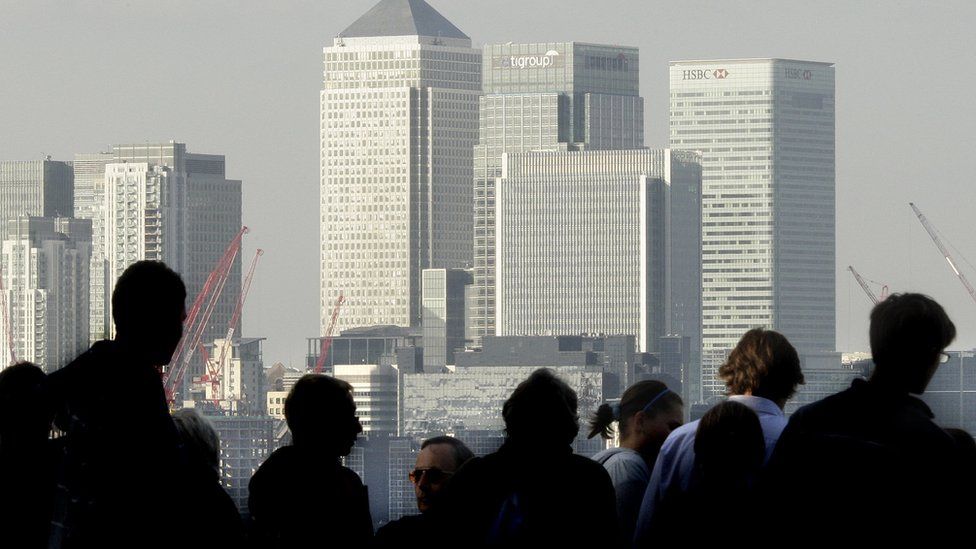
{"x": 26, "y": 457}
{"x": 534, "y": 491}
{"x": 869, "y": 463}
{"x": 302, "y": 496}
{"x": 439, "y": 458}
{"x": 121, "y": 462}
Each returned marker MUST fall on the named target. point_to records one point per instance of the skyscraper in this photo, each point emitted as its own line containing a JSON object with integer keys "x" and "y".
{"x": 583, "y": 243}
{"x": 444, "y": 315}
{"x": 545, "y": 96}
{"x": 45, "y": 283}
{"x": 89, "y": 203}
{"x": 39, "y": 188}
{"x": 204, "y": 210}
{"x": 765, "y": 128}
{"x": 398, "y": 124}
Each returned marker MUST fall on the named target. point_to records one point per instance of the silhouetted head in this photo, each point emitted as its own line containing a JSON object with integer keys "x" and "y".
{"x": 729, "y": 446}
{"x": 908, "y": 334}
{"x": 321, "y": 414}
{"x": 148, "y": 306}
{"x": 438, "y": 460}
{"x": 763, "y": 364}
{"x": 542, "y": 412}
{"x": 199, "y": 438}
{"x": 25, "y": 411}
{"x": 647, "y": 413}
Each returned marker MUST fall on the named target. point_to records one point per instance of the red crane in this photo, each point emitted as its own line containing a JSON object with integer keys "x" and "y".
{"x": 945, "y": 252}
{"x": 199, "y": 315}
{"x": 7, "y": 328}
{"x": 327, "y": 338}
{"x": 213, "y": 374}
{"x": 867, "y": 289}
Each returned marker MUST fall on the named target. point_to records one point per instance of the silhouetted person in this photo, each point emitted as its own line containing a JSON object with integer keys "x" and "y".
{"x": 439, "y": 458}
{"x": 26, "y": 481}
{"x": 869, "y": 463}
{"x": 302, "y": 496}
{"x": 966, "y": 454}
{"x": 762, "y": 373}
{"x": 205, "y": 497}
{"x": 647, "y": 413}
{"x": 121, "y": 463}
{"x": 533, "y": 490}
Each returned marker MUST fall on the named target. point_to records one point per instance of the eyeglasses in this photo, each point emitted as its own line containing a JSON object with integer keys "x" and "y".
{"x": 433, "y": 475}
{"x": 943, "y": 358}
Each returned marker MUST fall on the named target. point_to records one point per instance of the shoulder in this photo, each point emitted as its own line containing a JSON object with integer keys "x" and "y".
{"x": 680, "y": 439}
{"x": 586, "y": 467}
{"x": 349, "y": 476}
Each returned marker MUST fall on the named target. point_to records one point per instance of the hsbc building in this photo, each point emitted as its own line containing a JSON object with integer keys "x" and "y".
{"x": 765, "y": 128}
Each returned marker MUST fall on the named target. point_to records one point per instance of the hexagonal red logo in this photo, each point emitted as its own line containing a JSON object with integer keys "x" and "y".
{"x": 720, "y": 73}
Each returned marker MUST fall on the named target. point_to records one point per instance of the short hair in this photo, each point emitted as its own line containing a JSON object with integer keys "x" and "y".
{"x": 908, "y": 325}
{"x": 765, "y": 364}
{"x": 24, "y": 400}
{"x": 542, "y": 410}
{"x": 143, "y": 289}
{"x": 198, "y": 436}
{"x": 459, "y": 450}
{"x": 316, "y": 400}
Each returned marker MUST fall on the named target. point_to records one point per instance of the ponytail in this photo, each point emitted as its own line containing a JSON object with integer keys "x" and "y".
{"x": 601, "y": 420}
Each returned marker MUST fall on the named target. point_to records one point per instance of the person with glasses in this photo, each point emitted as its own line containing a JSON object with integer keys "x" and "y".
{"x": 439, "y": 458}
{"x": 874, "y": 448}
{"x": 645, "y": 415}
{"x": 302, "y": 495}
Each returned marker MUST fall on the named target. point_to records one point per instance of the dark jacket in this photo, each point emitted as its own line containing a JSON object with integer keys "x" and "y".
{"x": 531, "y": 497}
{"x": 408, "y": 531}
{"x": 300, "y": 499}
{"x": 120, "y": 468}
{"x": 866, "y": 463}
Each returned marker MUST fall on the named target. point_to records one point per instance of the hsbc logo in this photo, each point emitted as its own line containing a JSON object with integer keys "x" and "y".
{"x": 705, "y": 74}
{"x": 798, "y": 74}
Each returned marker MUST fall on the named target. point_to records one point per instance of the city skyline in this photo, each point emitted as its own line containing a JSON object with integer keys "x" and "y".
{"x": 880, "y": 135}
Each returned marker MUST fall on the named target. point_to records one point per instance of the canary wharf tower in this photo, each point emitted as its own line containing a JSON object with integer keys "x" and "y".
{"x": 765, "y": 130}
{"x": 399, "y": 122}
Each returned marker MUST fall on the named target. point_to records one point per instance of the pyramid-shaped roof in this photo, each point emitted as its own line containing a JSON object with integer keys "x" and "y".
{"x": 403, "y": 18}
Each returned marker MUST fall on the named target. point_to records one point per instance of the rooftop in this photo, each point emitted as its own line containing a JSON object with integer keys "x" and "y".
{"x": 403, "y": 18}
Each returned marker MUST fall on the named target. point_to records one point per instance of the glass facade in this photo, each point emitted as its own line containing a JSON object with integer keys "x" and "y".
{"x": 585, "y": 240}
{"x": 765, "y": 129}
{"x": 443, "y": 316}
{"x": 544, "y": 96}
{"x": 398, "y": 125}
{"x": 472, "y": 398}
{"x": 45, "y": 281}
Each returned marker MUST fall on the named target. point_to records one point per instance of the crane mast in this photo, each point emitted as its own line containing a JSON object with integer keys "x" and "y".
{"x": 199, "y": 316}
{"x": 944, "y": 251}
{"x": 327, "y": 337}
{"x": 213, "y": 369}
{"x": 864, "y": 285}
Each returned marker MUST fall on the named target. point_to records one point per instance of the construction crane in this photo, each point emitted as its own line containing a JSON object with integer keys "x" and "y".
{"x": 867, "y": 289}
{"x": 7, "y": 328}
{"x": 327, "y": 338}
{"x": 945, "y": 252}
{"x": 213, "y": 374}
{"x": 198, "y": 316}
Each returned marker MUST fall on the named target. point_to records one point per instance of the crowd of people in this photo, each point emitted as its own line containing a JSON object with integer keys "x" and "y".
{"x": 866, "y": 464}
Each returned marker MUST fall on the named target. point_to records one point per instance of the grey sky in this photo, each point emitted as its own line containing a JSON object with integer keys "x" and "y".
{"x": 243, "y": 78}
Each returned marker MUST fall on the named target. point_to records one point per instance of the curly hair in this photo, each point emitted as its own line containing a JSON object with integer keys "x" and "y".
{"x": 764, "y": 364}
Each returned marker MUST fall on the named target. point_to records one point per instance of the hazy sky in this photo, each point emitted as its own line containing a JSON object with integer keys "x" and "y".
{"x": 242, "y": 79}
